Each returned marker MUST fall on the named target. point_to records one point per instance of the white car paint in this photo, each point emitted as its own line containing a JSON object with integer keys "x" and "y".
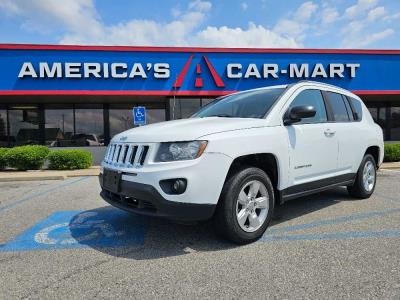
{"x": 230, "y": 138}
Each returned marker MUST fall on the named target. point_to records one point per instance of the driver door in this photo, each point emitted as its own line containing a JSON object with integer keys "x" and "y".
{"x": 313, "y": 147}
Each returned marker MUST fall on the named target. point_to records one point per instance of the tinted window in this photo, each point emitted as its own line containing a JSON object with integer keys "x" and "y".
{"x": 338, "y": 107}
{"x": 24, "y": 125}
{"x": 348, "y": 108}
{"x": 357, "y": 109}
{"x": 313, "y": 98}
{"x": 250, "y": 104}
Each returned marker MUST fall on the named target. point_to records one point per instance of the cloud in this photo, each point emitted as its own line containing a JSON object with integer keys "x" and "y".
{"x": 42, "y": 15}
{"x": 365, "y": 40}
{"x": 305, "y": 11}
{"x": 78, "y": 22}
{"x": 376, "y": 13}
{"x": 295, "y": 25}
{"x": 254, "y": 36}
{"x": 392, "y": 17}
{"x": 201, "y": 6}
{"x": 360, "y": 7}
{"x": 81, "y": 24}
{"x": 329, "y": 15}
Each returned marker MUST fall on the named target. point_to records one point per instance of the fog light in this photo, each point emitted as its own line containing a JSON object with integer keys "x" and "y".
{"x": 179, "y": 186}
{"x": 174, "y": 186}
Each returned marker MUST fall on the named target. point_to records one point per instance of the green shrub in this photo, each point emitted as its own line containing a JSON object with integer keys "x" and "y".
{"x": 392, "y": 152}
{"x": 69, "y": 159}
{"x": 30, "y": 157}
{"x": 3, "y": 161}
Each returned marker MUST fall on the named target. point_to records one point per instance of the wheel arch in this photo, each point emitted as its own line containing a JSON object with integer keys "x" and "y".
{"x": 268, "y": 162}
{"x": 375, "y": 152}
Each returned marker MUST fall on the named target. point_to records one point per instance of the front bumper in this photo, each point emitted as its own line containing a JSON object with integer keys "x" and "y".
{"x": 205, "y": 177}
{"x": 145, "y": 199}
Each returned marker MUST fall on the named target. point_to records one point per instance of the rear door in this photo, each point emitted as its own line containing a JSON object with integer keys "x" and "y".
{"x": 348, "y": 131}
{"x": 313, "y": 149}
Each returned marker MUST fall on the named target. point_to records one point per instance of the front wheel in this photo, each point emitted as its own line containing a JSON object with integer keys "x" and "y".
{"x": 246, "y": 206}
{"x": 364, "y": 184}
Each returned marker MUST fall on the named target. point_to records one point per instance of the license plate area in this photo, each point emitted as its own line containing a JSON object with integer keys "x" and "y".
{"x": 112, "y": 180}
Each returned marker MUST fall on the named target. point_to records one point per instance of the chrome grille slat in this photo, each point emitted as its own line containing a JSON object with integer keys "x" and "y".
{"x": 127, "y": 155}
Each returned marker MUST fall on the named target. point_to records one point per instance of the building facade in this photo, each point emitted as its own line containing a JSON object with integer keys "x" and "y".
{"x": 75, "y": 96}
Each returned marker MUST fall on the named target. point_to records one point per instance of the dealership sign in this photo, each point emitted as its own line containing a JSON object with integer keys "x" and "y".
{"x": 188, "y": 71}
{"x": 121, "y": 70}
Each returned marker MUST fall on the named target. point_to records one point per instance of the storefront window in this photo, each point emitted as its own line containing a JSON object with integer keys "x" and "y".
{"x": 121, "y": 119}
{"x": 395, "y": 124}
{"x": 182, "y": 108}
{"x": 121, "y": 116}
{"x": 378, "y": 113}
{"x": 89, "y": 126}
{"x": 24, "y": 125}
{"x": 59, "y": 127}
{"x": 3, "y": 127}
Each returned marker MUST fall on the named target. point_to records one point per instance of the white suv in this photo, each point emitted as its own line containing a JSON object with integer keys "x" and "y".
{"x": 243, "y": 154}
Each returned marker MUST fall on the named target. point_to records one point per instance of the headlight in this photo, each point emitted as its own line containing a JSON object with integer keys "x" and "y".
{"x": 180, "y": 151}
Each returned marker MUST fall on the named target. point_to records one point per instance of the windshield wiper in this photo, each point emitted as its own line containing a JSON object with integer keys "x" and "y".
{"x": 222, "y": 116}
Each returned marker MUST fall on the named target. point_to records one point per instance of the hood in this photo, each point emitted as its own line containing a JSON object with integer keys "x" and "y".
{"x": 185, "y": 129}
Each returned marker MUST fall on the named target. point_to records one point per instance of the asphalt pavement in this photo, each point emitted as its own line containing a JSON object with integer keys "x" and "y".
{"x": 60, "y": 240}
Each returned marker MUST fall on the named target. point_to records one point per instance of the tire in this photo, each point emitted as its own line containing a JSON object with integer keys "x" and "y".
{"x": 360, "y": 189}
{"x": 258, "y": 208}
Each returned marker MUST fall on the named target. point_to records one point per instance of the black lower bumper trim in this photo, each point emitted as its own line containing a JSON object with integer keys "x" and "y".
{"x": 145, "y": 199}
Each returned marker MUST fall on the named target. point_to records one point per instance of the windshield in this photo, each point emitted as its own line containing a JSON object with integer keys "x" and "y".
{"x": 251, "y": 104}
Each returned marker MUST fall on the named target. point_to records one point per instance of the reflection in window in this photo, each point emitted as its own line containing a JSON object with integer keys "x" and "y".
{"x": 155, "y": 115}
{"x": 24, "y": 126}
{"x": 3, "y": 128}
{"x": 313, "y": 98}
{"x": 379, "y": 116}
{"x": 395, "y": 124}
{"x": 120, "y": 120}
{"x": 182, "y": 108}
{"x": 121, "y": 117}
{"x": 59, "y": 126}
{"x": 89, "y": 126}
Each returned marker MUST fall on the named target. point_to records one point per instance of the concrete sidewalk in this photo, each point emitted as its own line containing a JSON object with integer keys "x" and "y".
{"x": 46, "y": 174}
{"x": 93, "y": 171}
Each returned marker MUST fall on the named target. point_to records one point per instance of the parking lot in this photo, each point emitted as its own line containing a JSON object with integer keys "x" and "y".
{"x": 59, "y": 239}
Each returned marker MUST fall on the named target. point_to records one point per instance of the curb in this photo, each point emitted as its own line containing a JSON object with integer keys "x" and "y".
{"x": 47, "y": 174}
{"x": 32, "y": 178}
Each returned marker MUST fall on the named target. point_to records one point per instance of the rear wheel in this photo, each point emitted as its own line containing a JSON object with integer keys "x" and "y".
{"x": 246, "y": 206}
{"x": 364, "y": 184}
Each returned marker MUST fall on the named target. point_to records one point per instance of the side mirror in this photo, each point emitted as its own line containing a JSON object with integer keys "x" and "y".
{"x": 297, "y": 113}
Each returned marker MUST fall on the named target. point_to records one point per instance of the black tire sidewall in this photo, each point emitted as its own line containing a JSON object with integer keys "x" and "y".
{"x": 359, "y": 181}
{"x": 233, "y": 188}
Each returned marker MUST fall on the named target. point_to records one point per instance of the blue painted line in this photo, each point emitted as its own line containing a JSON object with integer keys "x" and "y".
{"x": 97, "y": 228}
{"x": 354, "y": 217}
{"x": 333, "y": 236}
{"x": 30, "y": 197}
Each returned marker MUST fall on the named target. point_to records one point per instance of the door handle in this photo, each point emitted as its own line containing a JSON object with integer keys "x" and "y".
{"x": 329, "y": 133}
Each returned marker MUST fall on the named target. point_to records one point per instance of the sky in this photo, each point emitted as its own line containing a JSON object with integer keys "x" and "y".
{"x": 357, "y": 24}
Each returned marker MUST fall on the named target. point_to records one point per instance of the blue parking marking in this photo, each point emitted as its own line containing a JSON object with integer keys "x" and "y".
{"x": 103, "y": 227}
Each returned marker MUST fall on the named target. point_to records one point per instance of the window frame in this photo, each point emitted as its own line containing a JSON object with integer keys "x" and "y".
{"x": 332, "y": 115}
{"x": 327, "y": 109}
{"x": 353, "y": 109}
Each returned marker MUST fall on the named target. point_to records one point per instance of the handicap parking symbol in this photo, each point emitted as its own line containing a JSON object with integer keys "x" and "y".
{"x": 139, "y": 115}
{"x": 104, "y": 227}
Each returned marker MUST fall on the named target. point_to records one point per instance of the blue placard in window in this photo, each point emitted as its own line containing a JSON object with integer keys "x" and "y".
{"x": 139, "y": 115}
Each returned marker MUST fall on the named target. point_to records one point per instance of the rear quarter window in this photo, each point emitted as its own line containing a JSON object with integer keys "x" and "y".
{"x": 357, "y": 108}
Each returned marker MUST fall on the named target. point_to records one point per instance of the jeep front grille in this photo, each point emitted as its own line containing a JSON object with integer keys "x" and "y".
{"x": 126, "y": 155}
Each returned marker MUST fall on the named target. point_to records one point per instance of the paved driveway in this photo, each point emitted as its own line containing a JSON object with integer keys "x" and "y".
{"x": 58, "y": 239}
